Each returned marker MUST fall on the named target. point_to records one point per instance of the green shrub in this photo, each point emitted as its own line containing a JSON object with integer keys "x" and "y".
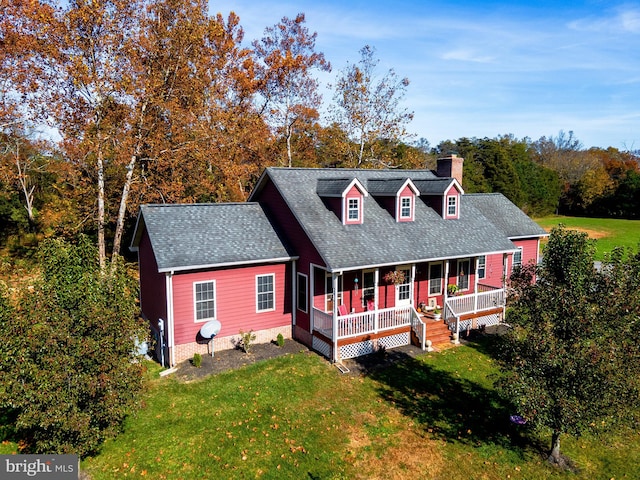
{"x": 197, "y": 360}
{"x": 69, "y": 372}
{"x": 280, "y": 340}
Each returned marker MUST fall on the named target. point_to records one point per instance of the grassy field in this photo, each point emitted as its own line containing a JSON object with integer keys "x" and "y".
{"x": 435, "y": 417}
{"x": 608, "y": 233}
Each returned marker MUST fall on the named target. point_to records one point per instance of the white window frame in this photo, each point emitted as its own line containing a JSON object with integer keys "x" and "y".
{"x": 196, "y": 301}
{"x": 351, "y": 209}
{"x": 451, "y": 205}
{"x": 404, "y": 208}
{"x": 432, "y": 280}
{"x": 519, "y": 262}
{"x": 303, "y": 308}
{"x": 272, "y": 307}
{"x": 482, "y": 267}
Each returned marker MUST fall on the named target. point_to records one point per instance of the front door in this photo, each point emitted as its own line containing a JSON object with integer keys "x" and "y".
{"x": 403, "y": 290}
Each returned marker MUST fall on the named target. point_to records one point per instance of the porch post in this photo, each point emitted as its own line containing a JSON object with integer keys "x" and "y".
{"x": 475, "y": 286}
{"x": 376, "y": 277}
{"x": 334, "y": 287}
{"x": 446, "y": 280}
{"x": 457, "y": 340}
{"x": 412, "y": 285}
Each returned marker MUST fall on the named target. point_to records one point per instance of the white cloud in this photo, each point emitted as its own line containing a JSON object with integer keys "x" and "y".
{"x": 466, "y": 56}
{"x": 625, "y": 20}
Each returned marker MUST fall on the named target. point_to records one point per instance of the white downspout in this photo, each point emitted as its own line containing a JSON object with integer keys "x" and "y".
{"x": 170, "y": 319}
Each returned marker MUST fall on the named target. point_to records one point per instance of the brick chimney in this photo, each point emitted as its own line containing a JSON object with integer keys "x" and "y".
{"x": 451, "y": 167}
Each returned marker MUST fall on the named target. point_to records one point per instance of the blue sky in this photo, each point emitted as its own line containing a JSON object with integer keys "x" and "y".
{"x": 483, "y": 69}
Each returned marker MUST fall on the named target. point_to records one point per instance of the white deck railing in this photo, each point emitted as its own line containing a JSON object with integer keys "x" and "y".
{"x": 459, "y": 305}
{"x": 356, "y": 324}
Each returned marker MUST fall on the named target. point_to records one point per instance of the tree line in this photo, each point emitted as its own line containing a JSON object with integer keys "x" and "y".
{"x": 153, "y": 101}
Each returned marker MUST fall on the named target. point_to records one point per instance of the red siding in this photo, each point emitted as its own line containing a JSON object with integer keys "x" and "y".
{"x": 278, "y": 210}
{"x": 153, "y": 295}
{"x": 529, "y": 251}
{"x": 494, "y": 271}
{"x": 235, "y": 301}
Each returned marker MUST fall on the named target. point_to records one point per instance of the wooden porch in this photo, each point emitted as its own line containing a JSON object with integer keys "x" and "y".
{"x": 464, "y": 312}
{"x": 355, "y": 334}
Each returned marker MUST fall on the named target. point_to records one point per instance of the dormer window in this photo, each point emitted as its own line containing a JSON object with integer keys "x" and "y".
{"x": 452, "y": 206}
{"x": 343, "y": 196}
{"x": 406, "y": 208}
{"x": 353, "y": 210}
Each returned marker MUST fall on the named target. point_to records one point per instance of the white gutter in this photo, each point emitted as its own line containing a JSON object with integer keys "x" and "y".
{"x": 226, "y": 264}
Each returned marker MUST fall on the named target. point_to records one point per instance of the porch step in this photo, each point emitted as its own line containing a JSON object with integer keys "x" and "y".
{"x": 340, "y": 366}
{"x": 438, "y": 332}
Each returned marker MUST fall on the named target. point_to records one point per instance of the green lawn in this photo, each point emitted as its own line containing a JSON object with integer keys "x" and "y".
{"x": 609, "y": 233}
{"x": 297, "y": 417}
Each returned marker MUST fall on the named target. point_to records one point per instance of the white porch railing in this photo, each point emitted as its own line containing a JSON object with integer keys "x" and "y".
{"x": 488, "y": 298}
{"x": 356, "y": 324}
{"x": 474, "y": 302}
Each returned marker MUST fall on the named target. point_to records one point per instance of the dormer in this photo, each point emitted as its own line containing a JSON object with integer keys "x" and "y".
{"x": 396, "y": 195}
{"x": 443, "y": 195}
{"x": 451, "y": 200}
{"x": 345, "y": 197}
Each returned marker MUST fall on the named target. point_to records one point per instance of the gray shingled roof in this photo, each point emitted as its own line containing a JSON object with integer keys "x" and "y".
{"x": 380, "y": 239}
{"x": 385, "y": 186}
{"x": 436, "y": 186}
{"x": 192, "y": 236}
{"x": 502, "y": 213}
{"x": 332, "y": 187}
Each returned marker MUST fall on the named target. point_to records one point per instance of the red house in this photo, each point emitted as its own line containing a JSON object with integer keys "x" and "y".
{"x": 345, "y": 261}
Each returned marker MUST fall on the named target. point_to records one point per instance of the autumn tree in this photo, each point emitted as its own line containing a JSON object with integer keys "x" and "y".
{"x": 235, "y": 143}
{"x": 368, "y": 108}
{"x": 146, "y": 96}
{"x": 571, "y": 357}
{"x": 290, "y": 93}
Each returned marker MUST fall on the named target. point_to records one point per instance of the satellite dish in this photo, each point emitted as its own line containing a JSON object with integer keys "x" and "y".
{"x": 210, "y": 329}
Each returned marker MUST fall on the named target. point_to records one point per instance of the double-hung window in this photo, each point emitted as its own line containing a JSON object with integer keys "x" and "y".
{"x": 482, "y": 266}
{"x": 517, "y": 258}
{"x": 204, "y": 296}
{"x": 265, "y": 292}
{"x": 452, "y": 206}
{"x": 405, "y": 207}
{"x": 353, "y": 209}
